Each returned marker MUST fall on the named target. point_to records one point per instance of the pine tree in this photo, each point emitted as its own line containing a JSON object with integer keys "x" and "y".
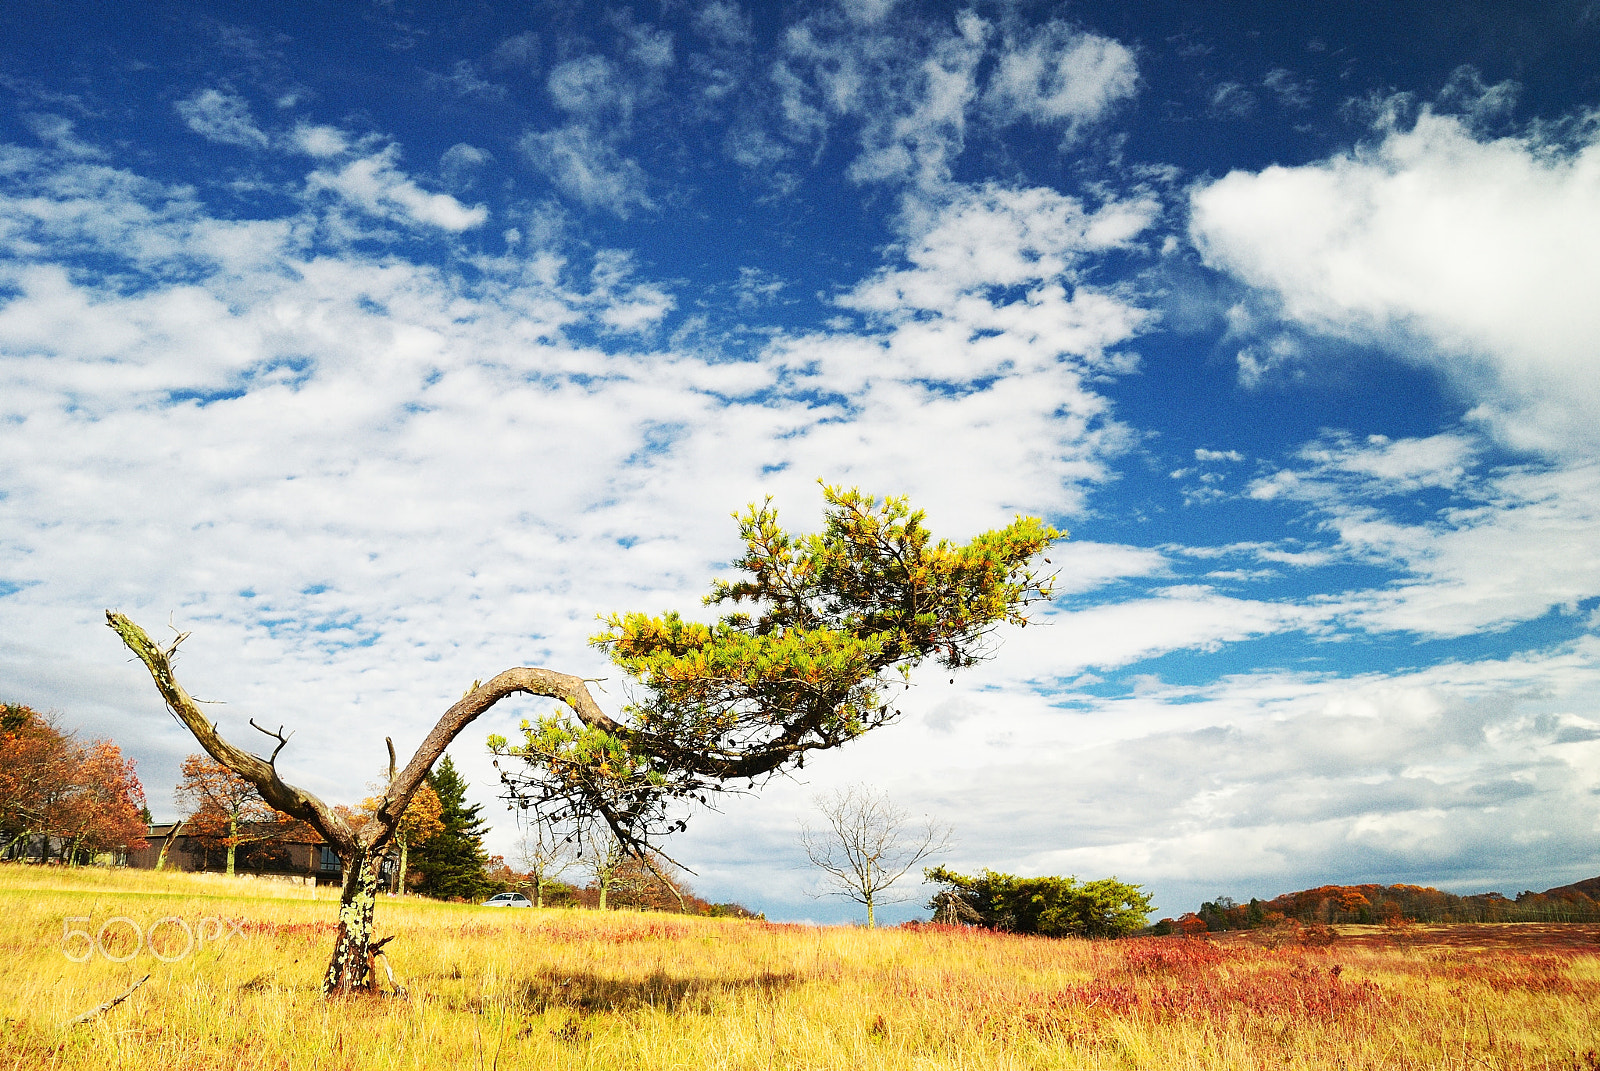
{"x": 452, "y": 861}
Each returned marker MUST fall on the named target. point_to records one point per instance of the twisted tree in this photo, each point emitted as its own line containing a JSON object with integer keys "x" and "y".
{"x": 838, "y": 618}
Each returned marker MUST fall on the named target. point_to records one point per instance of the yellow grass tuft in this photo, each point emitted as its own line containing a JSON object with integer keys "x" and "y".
{"x": 539, "y": 989}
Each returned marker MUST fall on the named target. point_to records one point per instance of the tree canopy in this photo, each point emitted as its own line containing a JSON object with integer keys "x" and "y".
{"x": 1048, "y": 906}
{"x": 821, "y": 628}
{"x": 63, "y": 797}
{"x": 226, "y": 811}
{"x": 451, "y": 860}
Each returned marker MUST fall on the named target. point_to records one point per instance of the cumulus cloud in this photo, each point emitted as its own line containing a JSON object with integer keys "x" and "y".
{"x": 343, "y": 459}
{"x": 1465, "y": 254}
{"x": 221, "y": 117}
{"x": 591, "y": 86}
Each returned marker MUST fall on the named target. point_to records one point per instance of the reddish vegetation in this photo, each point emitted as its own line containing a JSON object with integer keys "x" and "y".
{"x": 1523, "y": 936}
{"x": 1189, "y": 979}
{"x": 1369, "y": 904}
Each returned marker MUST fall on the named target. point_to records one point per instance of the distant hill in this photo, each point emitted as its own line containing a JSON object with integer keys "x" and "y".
{"x": 1589, "y": 887}
{"x": 1578, "y": 902}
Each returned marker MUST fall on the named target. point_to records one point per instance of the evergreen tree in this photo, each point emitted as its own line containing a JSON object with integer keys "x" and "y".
{"x": 452, "y": 861}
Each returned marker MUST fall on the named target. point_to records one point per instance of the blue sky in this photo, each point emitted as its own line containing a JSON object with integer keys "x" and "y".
{"x": 383, "y": 346}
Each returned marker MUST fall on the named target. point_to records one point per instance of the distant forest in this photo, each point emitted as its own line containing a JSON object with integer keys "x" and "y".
{"x": 1378, "y": 904}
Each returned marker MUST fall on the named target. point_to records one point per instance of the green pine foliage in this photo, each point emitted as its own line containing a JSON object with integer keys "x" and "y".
{"x": 820, "y": 633}
{"x": 1049, "y": 907}
{"x": 452, "y": 862}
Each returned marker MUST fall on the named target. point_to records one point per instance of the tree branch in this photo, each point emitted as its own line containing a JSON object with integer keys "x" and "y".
{"x": 283, "y": 741}
{"x": 108, "y": 1005}
{"x": 309, "y": 808}
{"x": 258, "y": 771}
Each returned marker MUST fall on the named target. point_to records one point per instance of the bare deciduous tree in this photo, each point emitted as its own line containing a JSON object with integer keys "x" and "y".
{"x": 867, "y": 844}
{"x": 546, "y": 855}
{"x": 605, "y": 861}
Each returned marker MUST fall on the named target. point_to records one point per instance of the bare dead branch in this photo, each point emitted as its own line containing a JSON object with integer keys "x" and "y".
{"x": 108, "y": 1005}
{"x": 308, "y": 807}
{"x": 283, "y": 741}
{"x": 285, "y": 797}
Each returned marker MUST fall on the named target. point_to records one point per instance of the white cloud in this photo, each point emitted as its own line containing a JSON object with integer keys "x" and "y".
{"x": 920, "y": 138}
{"x": 460, "y": 161}
{"x": 591, "y": 86}
{"x": 651, "y": 48}
{"x": 60, "y": 134}
{"x": 1060, "y": 75}
{"x": 518, "y": 50}
{"x": 1509, "y": 545}
{"x": 221, "y": 117}
{"x": 913, "y": 86}
{"x": 375, "y": 185}
{"x": 588, "y": 168}
{"x": 464, "y": 80}
{"x": 394, "y": 480}
{"x": 1252, "y": 785}
{"x": 996, "y": 237}
{"x": 1290, "y": 91}
{"x": 722, "y": 21}
{"x": 1471, "y": 256}
{"x": 320, "y": 141}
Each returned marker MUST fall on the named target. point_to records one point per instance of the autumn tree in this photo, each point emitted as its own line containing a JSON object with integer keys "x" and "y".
{"x": 106, "y": 810}
{"x": 420, "y": 823}
{"x": 651, "y": 882}
{"x": 866, "y": 844}
{"x": 225, "y": 810}
{"x": 835, "y": 619}
{"x": 36, "y": 769}
{"x": 83, "y": 798}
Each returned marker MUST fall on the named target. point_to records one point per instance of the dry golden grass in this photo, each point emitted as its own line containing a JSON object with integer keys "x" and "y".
{"x": 538, "y": 989}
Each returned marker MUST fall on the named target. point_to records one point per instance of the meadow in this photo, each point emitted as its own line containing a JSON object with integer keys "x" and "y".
{"x": 234, "y": 984}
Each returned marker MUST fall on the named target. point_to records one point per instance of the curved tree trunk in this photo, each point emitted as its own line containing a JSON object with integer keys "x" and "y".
{"x": 350, "y": 969}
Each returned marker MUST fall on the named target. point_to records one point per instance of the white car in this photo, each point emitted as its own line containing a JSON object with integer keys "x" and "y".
{"x": 508, "y": 899}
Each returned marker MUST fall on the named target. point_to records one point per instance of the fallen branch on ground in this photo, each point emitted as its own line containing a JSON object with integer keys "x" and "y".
{"x": 108, "y": 1005}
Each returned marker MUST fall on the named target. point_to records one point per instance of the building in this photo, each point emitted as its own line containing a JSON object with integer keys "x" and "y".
{"x": 306, "y": 857}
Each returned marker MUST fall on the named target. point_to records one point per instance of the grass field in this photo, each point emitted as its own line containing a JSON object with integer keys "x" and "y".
{"x": 573, "y": 989}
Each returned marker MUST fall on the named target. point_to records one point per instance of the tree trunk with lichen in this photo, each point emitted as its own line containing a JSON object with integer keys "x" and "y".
{"x": 350, "y": 969}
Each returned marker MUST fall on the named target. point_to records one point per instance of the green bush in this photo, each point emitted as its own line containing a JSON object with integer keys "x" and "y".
{"x": 1050, "y": 907}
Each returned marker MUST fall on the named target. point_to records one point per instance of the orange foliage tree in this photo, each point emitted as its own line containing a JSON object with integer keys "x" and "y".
{"x": 420, "y": 822}
{"x": 227, "y": 811}
{"x": 59, "y": 797}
